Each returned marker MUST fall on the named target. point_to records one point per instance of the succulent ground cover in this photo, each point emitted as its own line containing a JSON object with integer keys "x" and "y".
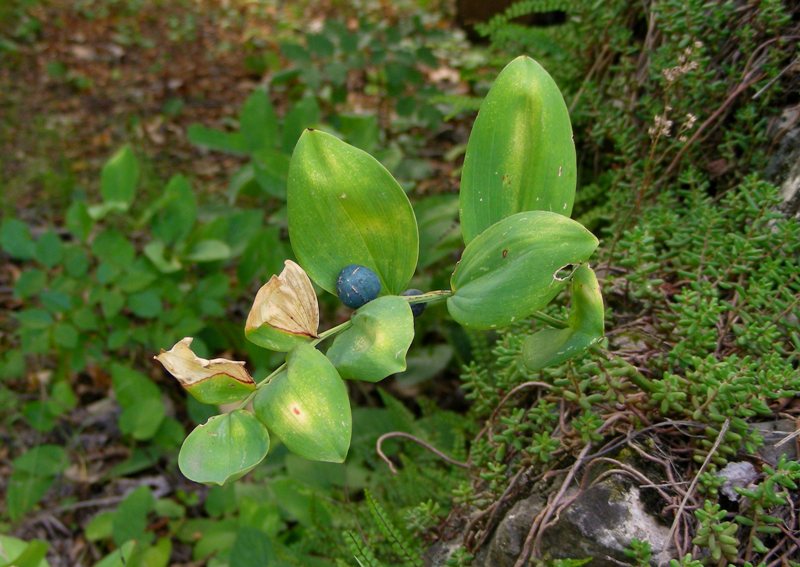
{"x": 144, "y": 151}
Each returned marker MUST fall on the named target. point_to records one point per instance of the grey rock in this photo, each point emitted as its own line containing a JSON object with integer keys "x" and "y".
{"x": 599, "y": 524}
{"x": 784, "y": 166}
{"x": 440, "y": 552}
{"x": 737, "y": 475}
{"x": 509, "y": 537}
{"x": 774, "y": 434}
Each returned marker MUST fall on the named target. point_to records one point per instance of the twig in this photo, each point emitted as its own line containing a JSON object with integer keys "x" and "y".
{"x": 532, "y": 539}
{"x": 775, "y": 79}
{"x": 417, "y": 440}
{"x": 696, "y": 478}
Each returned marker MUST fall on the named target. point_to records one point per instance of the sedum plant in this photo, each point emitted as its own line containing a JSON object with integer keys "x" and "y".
{"x": 355, "y": 235}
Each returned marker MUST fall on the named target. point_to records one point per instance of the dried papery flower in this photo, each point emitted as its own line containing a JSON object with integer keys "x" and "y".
{"x": 189, "y": 369}
{"x": 285, "y": 311}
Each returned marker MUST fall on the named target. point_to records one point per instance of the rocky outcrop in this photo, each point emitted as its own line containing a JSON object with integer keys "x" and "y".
{"x": 599, "y": 524}
{"x": 784, "y": 165}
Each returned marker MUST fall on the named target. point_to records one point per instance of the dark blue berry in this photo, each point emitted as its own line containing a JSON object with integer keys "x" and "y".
{"x": 357, "y": 285}
{"x": 416, "y": 308}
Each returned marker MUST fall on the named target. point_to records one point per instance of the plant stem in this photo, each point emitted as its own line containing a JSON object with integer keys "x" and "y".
{"x": 332, "y": 331}
{"x": 322, "y": 336}
{"x": 264, "y": 382}
{"x": 428, "y": 297}
{"x": 552, "y": 321}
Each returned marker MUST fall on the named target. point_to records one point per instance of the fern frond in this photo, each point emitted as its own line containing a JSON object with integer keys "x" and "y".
{"x": 519, "y": 9}
{"x": 400, "y": 543}
{"x": 360, "y": 550}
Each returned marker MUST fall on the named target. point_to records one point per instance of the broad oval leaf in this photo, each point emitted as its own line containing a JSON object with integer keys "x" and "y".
{"x": 210, "y": 250}
{"x": 285, "y": 312}
{"x": 585, "y": 325}
{"x": 258, "y": 121}
{"x": 119, "y": 177}
{"x": 224, "y": 448}
{"x": 216, "y": 381}
{"x": 520, "y": 155}
{"x": 228, "y": 142}
{"x": 307, "y": 407}
{"x": 511, "y": 269}
{"x": 376, "y": 344}
{"x": 345, "y": 208}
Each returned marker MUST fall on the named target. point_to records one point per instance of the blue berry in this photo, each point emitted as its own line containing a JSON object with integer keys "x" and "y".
{"x": 357, "y": 285}
{"x": 416, "y": 308}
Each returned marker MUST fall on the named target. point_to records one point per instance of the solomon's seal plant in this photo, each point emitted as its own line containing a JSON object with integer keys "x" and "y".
{"x": 355, "y": 235}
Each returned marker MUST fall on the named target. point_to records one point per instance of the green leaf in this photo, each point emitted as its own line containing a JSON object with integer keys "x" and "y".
{"x": 231, "y": 143}
{"x": 142, "y": 419}
{"x": 253, "y": 548}
{"x": 140, "y": 399}
{"x": 209, "y": 251}
{"x": 76, "y": 261}
{"x": 29, "y": 284}
{"x": 275, "y": 339}
{"x": 130, "y": 521}
{"x": 16, "y": 240}
{"x": 220, "y": 389}
{"x": 512, "y": 268}
{"x": 43, "y": 460}
{"x": 307, "y": 407}
{"x": 119, "y": 178}
{"x": 145, "y": 304}
{"x": 119, "y": 557}
{"x": 178, "y": 211}
{"x": 111, "y": 247}
{"x": 65, "y": 335}
{"x": 98, "y": 212}
{"x": 39, "y": 415}
{"x": 225, "y": 448}
{"x": 258, "y": 122}
{"x": 520, "y": 155}
{"x": 304, "y": 114}
{"x": 361, "y": 130}
{"x": 78, "y": 220}
{"x": 18, "y": 553}
{"x": 439, "y": 235}
{"x": 151, "y": 555}
{"x": 270, "y": 169}
{"x": 345, "y": 208}
{"x": 376, "y": 344}
{"x": 549, "y": 347}
{"x": 49, "y": 251}
{"x": 100, "y": 526}
{"x": 155, "y": 251}
{"x": 424, "y": 363}
{"x": 264, "y": 254}
{"x": 111, "y": 302}
{"x": 24, "y": 491}
{"x": 37, "y": 319}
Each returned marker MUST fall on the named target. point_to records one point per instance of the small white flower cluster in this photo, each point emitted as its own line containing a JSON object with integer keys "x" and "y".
{"x": 662, "y": 125}
{"x": 685, "y": 64}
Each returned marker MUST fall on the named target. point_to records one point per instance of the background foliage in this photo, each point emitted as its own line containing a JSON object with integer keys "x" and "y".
{"x": 145, "y": 155}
